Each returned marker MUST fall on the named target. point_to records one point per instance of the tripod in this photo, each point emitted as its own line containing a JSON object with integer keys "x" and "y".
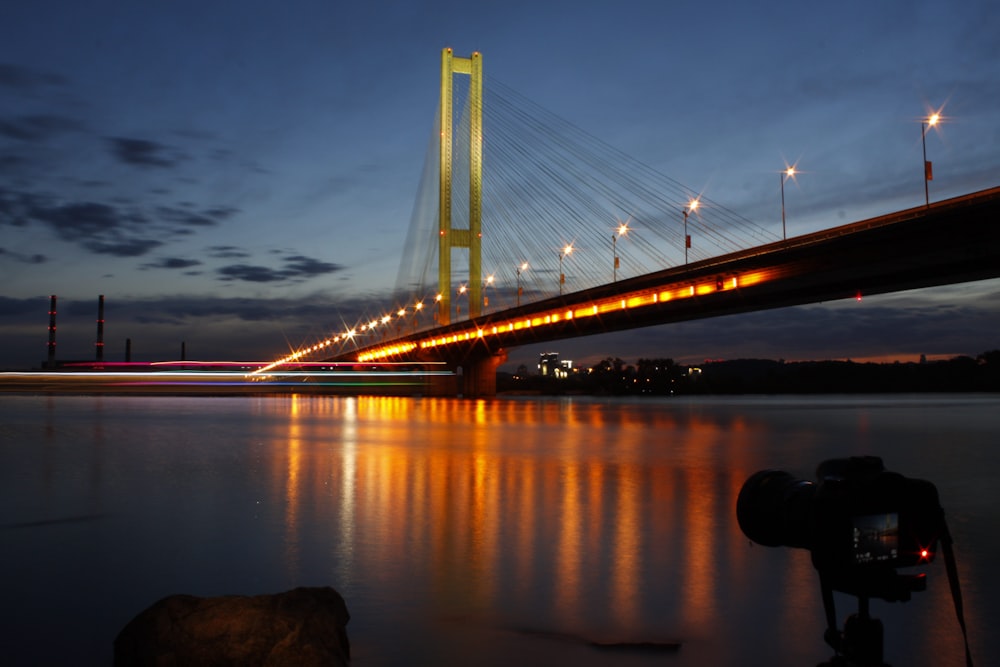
{"x": 860, "y": 644}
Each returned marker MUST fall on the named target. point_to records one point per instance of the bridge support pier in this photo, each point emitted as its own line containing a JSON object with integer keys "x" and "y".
{"x": 479, "y": 376}
{"x": 475, "y": 376}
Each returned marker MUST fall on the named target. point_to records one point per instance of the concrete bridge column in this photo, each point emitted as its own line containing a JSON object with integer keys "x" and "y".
{"x": 446, "y": 386}
{"x": 475, "y": 376}
{"x": 479, "y": 376}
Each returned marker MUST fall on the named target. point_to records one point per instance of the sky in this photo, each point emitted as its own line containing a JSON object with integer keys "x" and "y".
{"x": 239, "y": 177}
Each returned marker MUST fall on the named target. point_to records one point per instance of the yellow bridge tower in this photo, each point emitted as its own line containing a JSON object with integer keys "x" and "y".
{"x": 471, "y": 237}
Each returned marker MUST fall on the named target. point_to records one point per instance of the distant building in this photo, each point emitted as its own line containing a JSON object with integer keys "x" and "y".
{"x": 549, "y": 365}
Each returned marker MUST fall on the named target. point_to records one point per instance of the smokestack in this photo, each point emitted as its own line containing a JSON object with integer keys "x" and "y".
{"x": 100, "y": 328}
{"x": 52, "y": 332}
{"x": 128, "y": 350}
{"x": 183, "y": 351}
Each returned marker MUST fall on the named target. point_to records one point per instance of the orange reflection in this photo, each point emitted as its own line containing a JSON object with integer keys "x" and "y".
{"x": 554, "y": 502}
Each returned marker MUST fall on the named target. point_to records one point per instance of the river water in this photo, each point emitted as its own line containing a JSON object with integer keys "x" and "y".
{"x": 510, "y": 531}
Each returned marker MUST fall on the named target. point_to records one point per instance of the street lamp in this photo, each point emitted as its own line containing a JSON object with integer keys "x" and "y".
{"x": 622, "y": 231}
{"x": 487, "y": 281}
{"x": 925, "y": 125}
{"x": 417, "y": 307}
{"x": 562, "y": 276}
{"x": 517, "y": 272}
{"x": 690, "y": 208}
{"x": 458, "y": 306}
{"x": 785, "y": 175}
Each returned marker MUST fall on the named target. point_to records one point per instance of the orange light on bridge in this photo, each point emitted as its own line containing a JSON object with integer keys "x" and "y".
{"x": 749, "y": 279}
{"x": 609, "y": 305}
{"x": 639, "y": 301}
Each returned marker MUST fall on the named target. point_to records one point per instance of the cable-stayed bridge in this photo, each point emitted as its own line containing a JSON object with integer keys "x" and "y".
{"x": 527, "y": 230}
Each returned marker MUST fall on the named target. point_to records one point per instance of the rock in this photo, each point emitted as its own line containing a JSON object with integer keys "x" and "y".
{"x": 304, "y": 626}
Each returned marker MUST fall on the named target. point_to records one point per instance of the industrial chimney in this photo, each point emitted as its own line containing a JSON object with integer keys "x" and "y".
{"x": 52, "y": 332}
{"x": 100, "y": 328}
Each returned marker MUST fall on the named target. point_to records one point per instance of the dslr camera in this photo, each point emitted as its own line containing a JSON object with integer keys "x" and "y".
{"x": 859, "y": 521}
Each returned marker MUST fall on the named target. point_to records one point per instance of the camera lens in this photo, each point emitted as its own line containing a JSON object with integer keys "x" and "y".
{"x": 774, "y": 509}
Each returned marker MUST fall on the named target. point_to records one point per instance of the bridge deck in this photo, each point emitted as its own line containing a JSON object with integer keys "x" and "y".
{"x": 952, "y": 241}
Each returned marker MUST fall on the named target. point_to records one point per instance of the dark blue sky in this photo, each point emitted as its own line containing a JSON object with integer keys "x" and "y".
{"x": 240, "y": 175}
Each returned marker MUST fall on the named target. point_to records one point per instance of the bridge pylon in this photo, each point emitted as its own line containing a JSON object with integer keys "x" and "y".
{"x": 450, "y": 237}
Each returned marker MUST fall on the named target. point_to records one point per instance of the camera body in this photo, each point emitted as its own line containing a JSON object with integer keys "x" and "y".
{"x": 858, "y": 520}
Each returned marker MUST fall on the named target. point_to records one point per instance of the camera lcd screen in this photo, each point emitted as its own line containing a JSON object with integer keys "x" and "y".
{"x": 876, "y": 538}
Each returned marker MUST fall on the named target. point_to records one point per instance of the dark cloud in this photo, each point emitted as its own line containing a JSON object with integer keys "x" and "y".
{"x": 17, "y": 307}
{"x": 119, "y": 229}
{"x": 24, "y": 79}
{"x": 38, "y": 127}
{"x": 141, "y": 152}
{"x": 297, "y": 268}
{"x": 207, "y": 218}
{"x": 99, "y": 228}
{"x": 133, "y": 247}
{"x": 13, "y": 206}
{"x": 227, "y": 252}
{"x": 306, "y": 267}
{"x": 250, "y": 273}
{"x": 172, "y": 263}
{"x": 221, "y": 213}
{"x": 79, "y": 221}
{"x": 21, "y": 257}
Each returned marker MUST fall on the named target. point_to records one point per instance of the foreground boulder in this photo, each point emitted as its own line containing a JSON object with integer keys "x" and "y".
{"x": 305, "y": 626}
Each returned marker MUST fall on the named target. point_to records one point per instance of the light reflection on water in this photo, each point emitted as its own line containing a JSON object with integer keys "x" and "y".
{"x": 477, "y": 532}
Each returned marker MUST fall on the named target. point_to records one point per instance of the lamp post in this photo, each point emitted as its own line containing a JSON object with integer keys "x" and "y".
{"x": 622, "y": 231}
{"x": 417, "y": 307}
{"x": 785, "y": 175}
{"x": 458, "y": 305}
{"x": 517, "y": 272}
{"x": 925, "y": 125}
{"x": 562, "y": 276}
{"x": 487, "y": 281}
{"x": 690, "y": 208}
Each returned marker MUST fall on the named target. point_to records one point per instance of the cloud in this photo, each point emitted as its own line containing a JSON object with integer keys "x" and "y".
{"x": 78, "y": 221}
{"x": 109, "y": 229}
{"x": 207, "y": 218}
{"x": 123, "y": 248}
{"x": 250, "y": 273}
{"x": 297, "y": 268}
{"x": 21, "y": 257}
{"x": 141, "y": 152}
{"x": 99, "y": 228}
{"x": 227, "y": 252}
{"x": 37, "y": 127}
{"x": 171, "y": 263}
{"x": 307, "y": 267}
{"x": 24, "y": 80}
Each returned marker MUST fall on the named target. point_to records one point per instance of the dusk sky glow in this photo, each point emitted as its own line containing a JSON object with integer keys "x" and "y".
{"x": 241, "y": 176}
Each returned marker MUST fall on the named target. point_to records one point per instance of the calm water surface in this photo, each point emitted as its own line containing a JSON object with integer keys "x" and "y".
{"x": 474, "y": 532}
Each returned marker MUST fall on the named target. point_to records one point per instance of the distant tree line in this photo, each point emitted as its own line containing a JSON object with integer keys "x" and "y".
{"x": 662, "y": 376}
